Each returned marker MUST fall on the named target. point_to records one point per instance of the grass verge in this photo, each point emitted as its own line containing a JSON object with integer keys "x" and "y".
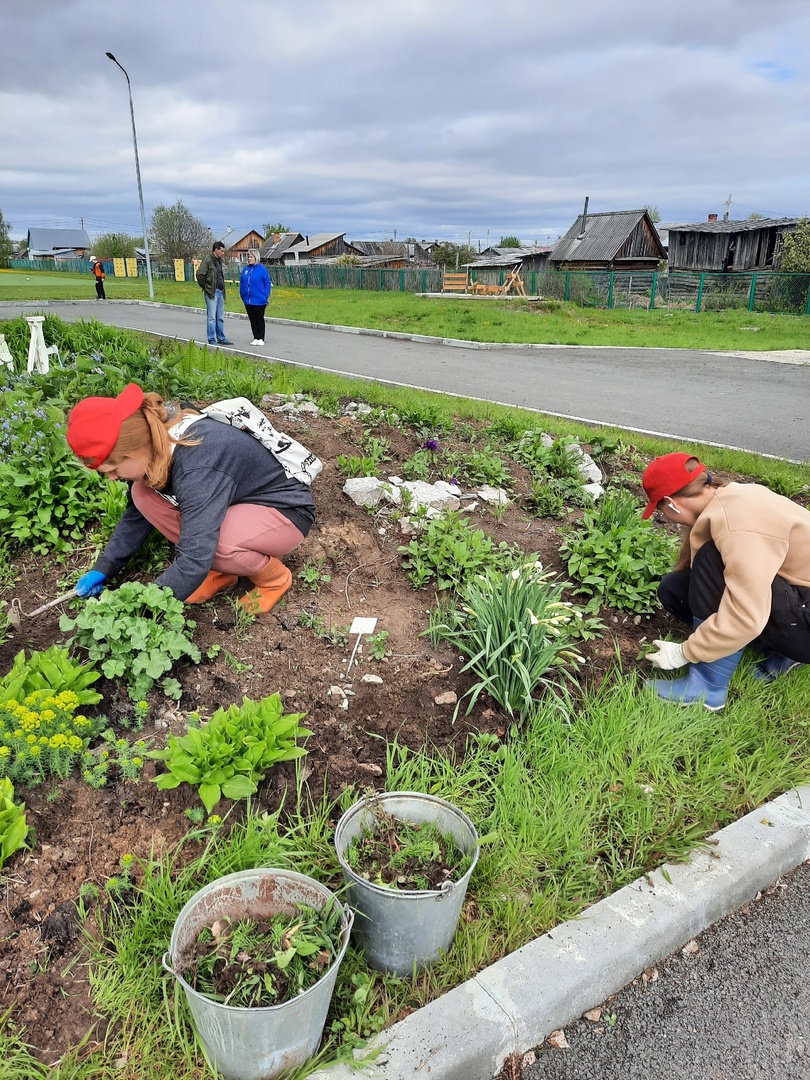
{"x": 510, "y": 321}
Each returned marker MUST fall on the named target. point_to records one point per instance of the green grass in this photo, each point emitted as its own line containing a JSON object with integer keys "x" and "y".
{"x": 588, "y": 797}
{"x": 496, "y": 321}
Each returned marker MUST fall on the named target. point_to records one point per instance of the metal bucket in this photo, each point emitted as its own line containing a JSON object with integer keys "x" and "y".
{"x": 261, "y": 1043}
{"x": 398, "y": 930}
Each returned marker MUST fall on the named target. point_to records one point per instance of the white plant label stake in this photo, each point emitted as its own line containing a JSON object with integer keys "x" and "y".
{"x": 359, "y": 626}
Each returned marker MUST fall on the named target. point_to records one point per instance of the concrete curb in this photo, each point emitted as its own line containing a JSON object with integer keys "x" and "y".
{"x": 513, "y": 1005}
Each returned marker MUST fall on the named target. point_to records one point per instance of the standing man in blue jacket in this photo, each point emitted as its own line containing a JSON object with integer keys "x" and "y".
{"x": 211, "y": 279}
{"x": 254, "y": 288}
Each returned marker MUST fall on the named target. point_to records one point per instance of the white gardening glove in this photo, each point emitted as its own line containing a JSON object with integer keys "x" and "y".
{"x": 670, "y": 655}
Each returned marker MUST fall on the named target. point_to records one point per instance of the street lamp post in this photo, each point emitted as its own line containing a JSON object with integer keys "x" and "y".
{"x": 138, "y": 174}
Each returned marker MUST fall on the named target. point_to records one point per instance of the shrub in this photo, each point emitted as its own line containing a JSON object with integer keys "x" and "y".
{"x": 40, "y": 736}
{"x": 13, "y": 826}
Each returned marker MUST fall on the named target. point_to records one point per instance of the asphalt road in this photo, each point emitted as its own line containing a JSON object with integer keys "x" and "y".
{"x": 728, "y": 399}
{"x": 736, "y": 1007}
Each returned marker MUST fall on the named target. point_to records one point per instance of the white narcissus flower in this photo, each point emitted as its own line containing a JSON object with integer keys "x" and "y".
{"x": 532, "y": 617}
{"x": 515, "y": 574}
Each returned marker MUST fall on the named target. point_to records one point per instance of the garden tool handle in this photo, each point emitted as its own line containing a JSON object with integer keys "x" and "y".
{"x": 51, "y": 603}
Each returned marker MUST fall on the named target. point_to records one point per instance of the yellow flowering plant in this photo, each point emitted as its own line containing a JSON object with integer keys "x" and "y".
{"x": 43, "y": 735}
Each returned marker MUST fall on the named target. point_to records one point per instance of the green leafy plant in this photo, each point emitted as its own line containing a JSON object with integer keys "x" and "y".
{"x": 137, "y": 633}
{"x": 451, "y": 552}
{"x": 352, "y": 465}
{"x": 53, "y": 670}
{"x": 378, "y": 645}
{"x": 13, "y": 825}
{"x": 515, "y": 628}
{"x": 43, "y": 736}
{"x": 233, "y": 752}
{"x": 551, "y": 496}
{"x": 617, "y": 558}
{"x": 47, "y": 497}
{"x": 113, "y": 753}
{"x": 478, "y": 467}
{"x": 313, "y": 575}
{"x": 255, "y": 963}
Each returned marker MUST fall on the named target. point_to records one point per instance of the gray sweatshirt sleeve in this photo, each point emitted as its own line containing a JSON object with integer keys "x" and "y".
{"x": 130, "y": 532}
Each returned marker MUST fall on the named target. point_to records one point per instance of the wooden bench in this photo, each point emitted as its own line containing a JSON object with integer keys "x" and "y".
{"x": 459, "y": 283}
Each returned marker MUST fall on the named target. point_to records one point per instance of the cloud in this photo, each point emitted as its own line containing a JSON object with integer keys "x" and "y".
{"x": 436, "y": 120}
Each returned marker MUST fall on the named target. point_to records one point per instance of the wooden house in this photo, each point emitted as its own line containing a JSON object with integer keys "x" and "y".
{"x": 272, "y": 250}
{"x": 318, "y": 247}
{"x": 384, "y": 254}
{"x": 237, "y": 245}
{"x": 504, "y": 258}
{"x": 56, "y": 244}
{"x": 726, "y": 246}
{"x": 618, "y": 240}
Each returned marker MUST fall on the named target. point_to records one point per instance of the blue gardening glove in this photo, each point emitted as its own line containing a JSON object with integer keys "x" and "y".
{"x": 90, "y": 584}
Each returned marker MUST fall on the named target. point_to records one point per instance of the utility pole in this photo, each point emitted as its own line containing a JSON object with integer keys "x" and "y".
{"x": 728, "y": 208}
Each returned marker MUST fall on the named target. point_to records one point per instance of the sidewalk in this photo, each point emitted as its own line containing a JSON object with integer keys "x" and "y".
{"x": 512, "y": 1006}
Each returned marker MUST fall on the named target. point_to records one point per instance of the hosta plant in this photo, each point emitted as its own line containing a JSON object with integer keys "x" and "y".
{"x": 516, "y": 631}
{"x": 13, "y": 826}
{"x": 51, "y": 670}
{"x": 136, "y": 633}
{"x": 233, "y": 753}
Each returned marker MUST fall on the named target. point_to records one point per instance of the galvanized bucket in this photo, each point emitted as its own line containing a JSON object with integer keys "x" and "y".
{"x": 256, "y": 1044}
{"x": 407, "y": 929}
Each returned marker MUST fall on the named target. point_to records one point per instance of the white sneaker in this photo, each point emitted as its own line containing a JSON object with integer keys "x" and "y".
{"x": 258, "y": 341}
{"x": 254, "y": 342}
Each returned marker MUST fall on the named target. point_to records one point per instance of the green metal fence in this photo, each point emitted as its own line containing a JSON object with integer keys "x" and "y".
{"x": 630, "y": 289}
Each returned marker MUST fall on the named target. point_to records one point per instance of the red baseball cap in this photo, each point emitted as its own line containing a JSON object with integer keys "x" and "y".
{"x": 94, "y": 424}
{"x": 666, "y": 475}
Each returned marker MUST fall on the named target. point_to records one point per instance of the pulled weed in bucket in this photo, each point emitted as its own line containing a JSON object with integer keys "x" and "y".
{"x": 253, "y": 963}
{"x": 399, "y": 854}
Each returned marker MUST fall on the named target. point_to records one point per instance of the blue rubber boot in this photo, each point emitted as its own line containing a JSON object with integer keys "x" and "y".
{"x": 704, "y": 684}
{"x": 772, "y": 666}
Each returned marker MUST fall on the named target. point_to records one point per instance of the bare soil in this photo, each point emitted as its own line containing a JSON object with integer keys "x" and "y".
{"x": 79, "y": 834}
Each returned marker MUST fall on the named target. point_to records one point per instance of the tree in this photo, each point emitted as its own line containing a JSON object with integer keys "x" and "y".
{"x": 794, "y": 257}
{"x": 653, "y": 213}
{"x": 116, "y": 245}
{"x": 453, "y": 255}
{"x": 756, "y": 216}
{"x": 176, "y": 234}
{"x": 6, "y": 246}
{"x": 277, "y": 228}
{"x": 510, "y": 241}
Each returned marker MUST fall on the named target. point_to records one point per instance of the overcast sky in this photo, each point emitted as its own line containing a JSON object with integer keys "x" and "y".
{"x": 433, "y": 118}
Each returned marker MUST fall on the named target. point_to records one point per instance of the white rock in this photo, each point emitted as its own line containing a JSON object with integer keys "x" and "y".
{"x": 596, "y": 491}
{"x": 423, "y": 494}
{"x": 451, "y": 489}
{"x": 493, "y": 495}
{"x": 336, "y": 691}
{"x": 375, "y": 679}
{"x": 370, "y": 491}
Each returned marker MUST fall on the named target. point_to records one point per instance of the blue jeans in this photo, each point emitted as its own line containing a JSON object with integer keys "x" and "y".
{"x": 215, "y": 310}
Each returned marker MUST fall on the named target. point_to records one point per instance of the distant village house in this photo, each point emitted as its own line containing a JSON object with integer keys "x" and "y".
{"x": 618, "y": 240}
{"x": 727, "y": 246}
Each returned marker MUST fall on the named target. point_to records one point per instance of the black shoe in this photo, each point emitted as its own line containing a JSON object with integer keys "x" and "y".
{"x": 224, "y": 341}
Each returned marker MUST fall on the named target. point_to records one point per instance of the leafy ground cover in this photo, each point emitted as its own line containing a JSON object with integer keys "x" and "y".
{"x": 584, "y": 781}
{"x": 552, "y": 322}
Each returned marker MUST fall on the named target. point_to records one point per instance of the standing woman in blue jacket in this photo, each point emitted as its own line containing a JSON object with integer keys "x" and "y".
{"x": 254, "y": 288}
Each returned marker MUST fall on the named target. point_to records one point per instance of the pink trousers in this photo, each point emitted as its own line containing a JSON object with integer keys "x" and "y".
{"x": 248, "y": 536}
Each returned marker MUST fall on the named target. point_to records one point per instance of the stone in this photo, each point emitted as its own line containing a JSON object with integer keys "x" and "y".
{"x": 596, "y": 491}
{"x": 493, "y": 495}
{"x": 449, "y": 697}
{"x": 373, "y": 679}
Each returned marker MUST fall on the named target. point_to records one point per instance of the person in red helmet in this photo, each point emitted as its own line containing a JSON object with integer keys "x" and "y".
{"x": 218, "y": 494}
{"x": 742, "y": 578}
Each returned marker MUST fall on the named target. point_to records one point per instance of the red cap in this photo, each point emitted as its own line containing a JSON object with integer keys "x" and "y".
{"x": 94, "y": 424}
{"x": 665, "y": 476}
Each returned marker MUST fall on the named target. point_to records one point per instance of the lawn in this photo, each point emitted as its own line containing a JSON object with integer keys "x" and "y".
{"x": 582, "y": 785}
{"x": 516, "y": 321}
